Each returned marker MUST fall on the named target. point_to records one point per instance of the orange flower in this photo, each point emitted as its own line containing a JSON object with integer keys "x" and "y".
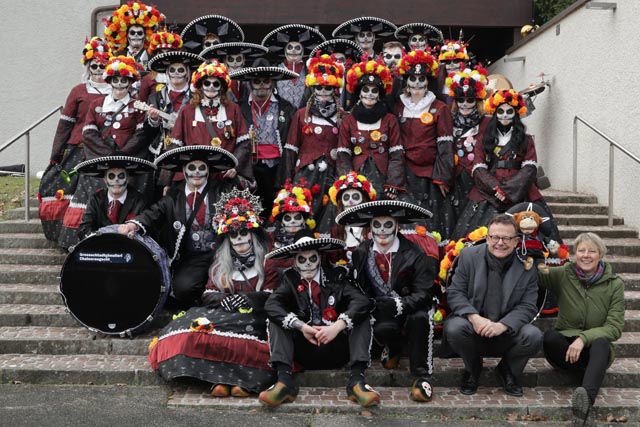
{"x": 376, "y": 135}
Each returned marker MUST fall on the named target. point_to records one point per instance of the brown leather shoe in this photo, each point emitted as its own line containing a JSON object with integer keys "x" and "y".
{"x": 278, "y": 394}
{"x": 237, "y": 391}
{"x": 221, "y": 390}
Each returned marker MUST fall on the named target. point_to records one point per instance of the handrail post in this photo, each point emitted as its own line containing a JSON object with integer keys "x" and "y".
{"x": 26, "y": 177}
{"x": 611, "y": 170}
{"x": 575, "y": 154}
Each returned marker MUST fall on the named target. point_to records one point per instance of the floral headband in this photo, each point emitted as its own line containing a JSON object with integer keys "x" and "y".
{"x": 375, "y": 70}
{"x": 467, "y": 83}
{"x": 164, "y": 40}
{"x": 122, "y": 66}
{"x": 418, "y": 62}
{"x": 127, "y": 15}
{"x": 351, "y": 181}
{"x": 324, "y": 71}
{"x": 510, "y": 97}
{"x": 97, "y": 49}
{"x": 213, "y": 68}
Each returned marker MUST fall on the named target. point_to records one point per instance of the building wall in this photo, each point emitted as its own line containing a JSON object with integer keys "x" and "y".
{"x": 41, "y": 48}
{"x": 586, "y": 58}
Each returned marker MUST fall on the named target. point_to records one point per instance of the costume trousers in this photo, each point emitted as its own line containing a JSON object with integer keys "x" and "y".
{"x": 388, "y": 331}
{"x": 266, "y": 185}
{"x": 515, "y": 349}
{"x": 592, "y": 363}
{"x": 288, "y": 345}
{"x": 190, "y": 276}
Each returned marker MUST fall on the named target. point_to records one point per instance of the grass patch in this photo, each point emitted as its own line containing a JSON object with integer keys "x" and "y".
{"x": 12, "y": 193}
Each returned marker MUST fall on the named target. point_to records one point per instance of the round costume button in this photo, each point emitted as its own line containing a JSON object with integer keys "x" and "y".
{"x": 220, "y": 125}
{"x": 269, "y": 117}
{"x": 353, "y": 140}
{"x": 460, "y": 153}
{"x": 119, "y": 117}
{"x": 116, "y": 125}
{"x": 281, "y": 119}
{"x": 177, "y": 225}
{"x": 331, "y": 300}
{"x": 381, "y": 149}
{"x": 471, "y": 156}
{"x": 384, "y": 137}
{"x": 107, "y": 123}
{"x": 373, "y": 145}
{"x": 228, "y": 123}
{"x": 403, "y": 119}
{"x": 317, "y": 130}
{"x": 334, "y": 130}
{"x": 361, "y": 139}
{"x": 195, "y": 237}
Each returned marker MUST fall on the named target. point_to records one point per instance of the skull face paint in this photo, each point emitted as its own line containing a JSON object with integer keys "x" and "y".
{"x": 116, "y": 180}
{"x": 210, "y": 40}
{"x": 261, "y": 88}
{"x": 293, "y": 52}
{"x": 293, "y": 222}
{"x": 234, "y": 62}
{"x": 351, "y": 197}
{"x": 453, "y": 65}
{"x": 366, "y": 39}
{"x": 323, "y": 93}
{"x": 119, "y": 86}
{"x": 241, "y": 241}
{"x": 211, "y": 88}
{"x": 417, "y": 85}
{"x": 96, "y": 69}
{"x": 418, "y": 42}
{"x": 178, "y": 75}
{"x": 135, "y": 37}
{"x": 384, "y": 230}
{"x": 505, "y": 114}
{"x": 466, "y": 106}
{"x": 307, "y": 263}
{"x": 196, "y": 173}
{"x": 369, "y": 95}
{"x": 391, "y": 57}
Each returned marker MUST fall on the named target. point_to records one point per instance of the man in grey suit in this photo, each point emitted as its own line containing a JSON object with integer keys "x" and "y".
{"x": 493, "y": 300}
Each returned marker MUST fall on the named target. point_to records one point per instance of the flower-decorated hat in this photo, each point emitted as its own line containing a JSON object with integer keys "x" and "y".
{"x": 217, "y": 158}
{"x": 222, "y": 50}
{"x": 362, "y": 214}
{"x": 97, "y": 49}
{"x": 210, "y": 69}
{"x": 99, "y": 165}
{"x": 162, "y": 61}
{"x": 349, "y": 29}
{"x": 292, "y": 198}
{"x": 452, "y": 50}
{"x": 351, "y": 181}
{"x": 274, "y": 73}
{"x": 467, "y": 83}
{"x": 369, "y": 72}
{"x": 510, "y": 97}
{"x": 431, "y": 33}
{"x": 349, "y": 48}
{"x": 304, "y": 240}
{"x": 164, "y": 40}
{"x": 237, "y": 209}
{"x": 418, "y": 63}
{"x": 222, "y": 27}
{"x": 324, "y": 71}
{"x": 132, "y": 13}
{"x": 121, "y": 66}
{"x": 277, "y": 40}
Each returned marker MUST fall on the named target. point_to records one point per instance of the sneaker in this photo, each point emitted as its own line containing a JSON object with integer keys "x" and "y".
{"x": 278, "y": 394}
{"x": 421, "y": 390}
{"x": 580, "y": 406}
{"x": 220, "y": 390}
{"x": 389, "y": 360}
{"x": 237, "y": 391}
{"x": 363, "y": 394}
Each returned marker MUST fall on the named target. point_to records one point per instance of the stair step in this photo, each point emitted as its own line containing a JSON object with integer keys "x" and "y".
{"x": 624, "y": 264}
{"x": 20, "y": 226}
{"x": 20, "y": 273}
{"x": 558, "y": 196}
{"x": 24, "y": 315}
{"x": 573, "y": 208}
{"x": 572, "y": 231}
{"x": 25, "y": 293}
{"x": 32, "y": 256}
{"x": 586, "y": 219}
{"x": 631, "y": 281}
{"x": 626, "y": 247}
{"x": 18, "y": 213}
{"x": 25, "y": 240}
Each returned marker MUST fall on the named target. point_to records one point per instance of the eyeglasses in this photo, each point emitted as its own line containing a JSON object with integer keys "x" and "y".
{"x": 96, "y": 66}
{"x": 390, "y": 56}
{"x": 325, "y": 88}
{"x": 505, "y": 239}
{"x": 134, "y": 33}
{"x": 264, "y": 81}
{"x": 179, "y": 70}
{"x": 242, "y": 232}
{"x": 118, "y": 80}
{"x": 311, "y": 259}
{"x": 215, "y": 83}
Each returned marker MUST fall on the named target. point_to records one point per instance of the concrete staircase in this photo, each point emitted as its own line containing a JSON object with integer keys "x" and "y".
{"x": 41, "y": 343}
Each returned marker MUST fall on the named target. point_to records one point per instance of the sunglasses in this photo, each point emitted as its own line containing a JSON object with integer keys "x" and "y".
{"x": 243, "y": 232}
{"x": 303, "y": 260}
{"x": 96, "y": 66}
{"x": 180, "y": 70}
{"x": 215, "y": 83}
{"x": 138, "y": 33}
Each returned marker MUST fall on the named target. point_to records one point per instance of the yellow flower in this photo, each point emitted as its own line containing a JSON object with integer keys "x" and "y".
{"x": 153, "y": 343}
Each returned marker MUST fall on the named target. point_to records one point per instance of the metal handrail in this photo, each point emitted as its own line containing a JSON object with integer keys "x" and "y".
{"x": 612, "y": 145}
{"x": 27, "y": 155}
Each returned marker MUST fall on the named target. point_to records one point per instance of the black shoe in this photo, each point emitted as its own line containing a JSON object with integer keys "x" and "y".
{"x": 580, "y": 406}
{"x": 508, "y": 381}
{"x": 469, "y": 384}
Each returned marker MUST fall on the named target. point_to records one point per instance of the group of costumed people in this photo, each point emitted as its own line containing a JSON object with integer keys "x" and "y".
{"x": 317, "y": 193}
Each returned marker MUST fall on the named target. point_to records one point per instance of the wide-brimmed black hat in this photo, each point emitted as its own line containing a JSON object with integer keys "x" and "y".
{"x": 215, "y": 157}
{"x": 349, "y": 29}
{"x": 98, "y": 166}
{"x": 220, "y": 51}
{"x": 433, "y": 35}
{"x": 545, "y": 224}
{"x": 226, "y": 30}
{"x": 160, "y": 63}
{"x": 306, "y": 241}
{"x": 274, "y": 73}
{"x": 349, "y": 48}
{"x": 277, "y": 40}
{"x": 362, "y": 214}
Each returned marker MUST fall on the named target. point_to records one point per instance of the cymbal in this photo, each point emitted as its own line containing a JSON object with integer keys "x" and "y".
{"x": 533, "y": 90}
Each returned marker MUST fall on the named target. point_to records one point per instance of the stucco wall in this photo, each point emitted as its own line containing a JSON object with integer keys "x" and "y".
{"x": 41, "y": 48}
{"x": 586, "y": 62}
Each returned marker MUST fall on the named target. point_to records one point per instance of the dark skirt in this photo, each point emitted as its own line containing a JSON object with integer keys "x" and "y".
{"x": 460, "y": 193}
{"x": 323, "y": 178}
{"x": 428, "y": 195}
{"x": 235, "y": 352}
{"x": 87, "y": 185}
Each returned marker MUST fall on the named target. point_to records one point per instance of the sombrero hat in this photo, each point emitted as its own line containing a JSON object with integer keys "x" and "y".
{"x": 277, "y": 39}
{"x": 98, "y": 166}
{"x": 432, "y": 34}
{"x": 274, "y": 73}
{"x": 349, "y": 48}
{"x": 160, "y": 63}
{"x": 378, "y": 26}
{"x": 362, "y": 214}
{"x": 215, "y": 157}
{"x": 226, "y": 30}
{"x": 305, "y": 241}
{"x": 220, "y": 51}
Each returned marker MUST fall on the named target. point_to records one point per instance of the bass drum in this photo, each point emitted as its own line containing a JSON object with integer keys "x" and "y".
{"x": 115, "y": 284}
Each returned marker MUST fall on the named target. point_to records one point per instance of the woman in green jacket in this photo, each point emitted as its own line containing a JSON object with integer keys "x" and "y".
{"x": 591, "y": 317}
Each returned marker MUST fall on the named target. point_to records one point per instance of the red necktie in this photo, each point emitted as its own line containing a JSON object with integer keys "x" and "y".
{"x": 113, "y": 211}
{"x": 201, "y": 212}
{"x": 315, "y": 292}
{"x": 383, "y": 266}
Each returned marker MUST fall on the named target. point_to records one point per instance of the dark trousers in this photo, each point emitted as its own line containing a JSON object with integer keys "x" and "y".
{"x": 514, "y": 349}
{"x": 387, "y": 331}
{"x": 288, "y": 345}
{"x": 190, "y": 275}
{"x": 593, "y": 361}
{"x": 266, "y": 185}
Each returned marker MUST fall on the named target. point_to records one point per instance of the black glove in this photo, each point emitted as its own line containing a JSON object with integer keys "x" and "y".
{"x": 234, "y": 302}
{"x": 387, "y": 306}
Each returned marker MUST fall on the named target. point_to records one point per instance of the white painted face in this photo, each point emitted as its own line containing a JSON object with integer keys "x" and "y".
{"x": 293, "y": 52}
{"x": 211, "y": 88}
{"x": 196, "y": 173}
{"x": 96, "y": 69}
{"x": 135, "y": 37}
{"x": 292, "y": 222}
{"x": 323, "y": 93}
{"x": 234, "y": 62}
{"x": 351, "y": 197}
{"x": 178, "y": 74}
{"x": 369, "y": 95}
{"x": 261, "y": 87}
{"x": 366, "y": 39}
{"x": 391, "y": 56}
{"x": 466, "y": 106}
{"x": 453, "y": 65}
{"x": 417, "y": 85}
{"x": 120, "y": 83}
{"x": 340, "y": 58}
{"x": 210, "y": 40}
{"x": 241, "y": 241}
{"x": 417, "y": 42}
{"x": 505, "y": 114}
{"x": 116, "y": 180}
{"x": 384, "y": 229}
{"x": 307, "y": 263}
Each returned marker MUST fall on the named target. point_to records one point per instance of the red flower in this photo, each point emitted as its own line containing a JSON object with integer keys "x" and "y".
{"x": 315, "y": 189}
{"x": 307, "y": 130}
{"x": 300, "y": 288}
{"x": 329, "y": 314}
